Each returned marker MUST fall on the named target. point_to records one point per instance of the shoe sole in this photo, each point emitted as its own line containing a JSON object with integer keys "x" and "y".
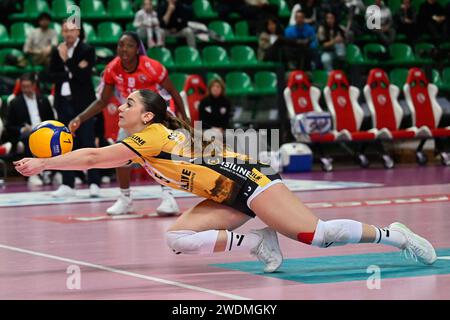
{"x": 403, "y": 228}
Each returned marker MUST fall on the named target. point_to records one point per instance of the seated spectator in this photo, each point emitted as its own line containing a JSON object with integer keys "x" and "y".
{"x": 386, "y": 34}
{"x": 406, "y": 19}
{"x": 26, "y": 111}
{"x": 337, "y": 7}
{"x": 332, "y": 39}
{"x": 301, "y": 38}
{"x": 433, "y": 21}
{"x": 174, "y": 16}
{"x": 147, "y": 25}
{"x": 215, "y": 108}
{"x": 270, "y": 41}
{"x": 309, "y": 9}
{"x": 40, "y": 41}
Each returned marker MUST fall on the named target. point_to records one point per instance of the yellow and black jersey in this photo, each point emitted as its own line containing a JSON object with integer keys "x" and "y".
{"x": 221, "y": 178}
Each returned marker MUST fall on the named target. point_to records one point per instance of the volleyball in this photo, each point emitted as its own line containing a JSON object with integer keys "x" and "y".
{"x": 49, "y": 139}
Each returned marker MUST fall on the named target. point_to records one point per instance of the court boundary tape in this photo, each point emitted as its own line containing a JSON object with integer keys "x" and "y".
{"x": 125, "y": 273}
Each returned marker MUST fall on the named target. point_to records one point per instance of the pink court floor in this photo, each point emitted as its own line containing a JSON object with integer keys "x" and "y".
{"x": 45, "y": 256}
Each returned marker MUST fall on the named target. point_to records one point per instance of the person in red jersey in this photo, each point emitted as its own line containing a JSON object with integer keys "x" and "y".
{"x": 132, "y": 70}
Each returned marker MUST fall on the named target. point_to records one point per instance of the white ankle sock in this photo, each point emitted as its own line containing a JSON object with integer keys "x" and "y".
{"x": 241, "y": 242}
{"x": 125, "y": 192}
{"x": 389, "y": 237}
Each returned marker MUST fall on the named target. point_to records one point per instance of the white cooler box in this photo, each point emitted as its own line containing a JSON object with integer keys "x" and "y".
{"x": 296, "y": 157}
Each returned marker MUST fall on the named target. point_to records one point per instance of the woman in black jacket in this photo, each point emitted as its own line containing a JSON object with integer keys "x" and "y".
{"x": 215, "y": 108}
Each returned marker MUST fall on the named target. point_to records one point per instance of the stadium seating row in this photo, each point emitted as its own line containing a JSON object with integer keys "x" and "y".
{"x": 381, "y": 97}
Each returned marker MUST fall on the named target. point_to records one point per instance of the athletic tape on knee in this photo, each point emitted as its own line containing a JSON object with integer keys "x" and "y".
{"x": 337, "y": 233}
{"x": 191, "y": 242}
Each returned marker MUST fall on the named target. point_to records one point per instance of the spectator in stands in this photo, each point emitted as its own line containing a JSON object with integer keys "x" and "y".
{"x": 270, "y": 42}
{"x": 40, "y": 41}
{"x": 337, "y": 7}
{"x": 433, "y": 20}
{"x": 309, "y": 9}
{"x": 26, "y": 111}
{"x": 406, "y": 20}
{"x": 71, "y": 70}
{"x": 301, "y": 38}
{"x": 147, "y": 26}
{"x": 174, "y": 16}
{"x": 386, "y": 35}
{"x": 215, "y": 108}
{"x": 332, "y": 39}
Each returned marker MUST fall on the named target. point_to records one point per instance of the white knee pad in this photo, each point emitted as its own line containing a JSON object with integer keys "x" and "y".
{"x": 191, "y": 242}
{"x": 337, "y": 233}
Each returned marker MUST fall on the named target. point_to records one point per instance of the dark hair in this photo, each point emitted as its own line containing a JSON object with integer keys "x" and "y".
{"x": 27, "y": 77}
{"x": 156, "y": 104}
{"x": 136, "y": 39}
{"x": 44, "y": 15}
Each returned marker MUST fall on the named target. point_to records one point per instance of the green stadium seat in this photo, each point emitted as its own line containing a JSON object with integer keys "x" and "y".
{"x": 319, "y": 78}
{"x": 60, "y": 9}
{"x": 4, "y": 36}
{"x": 187, "y": 57}
{"x": 203, "y": 10}
{"x": 394, "y": 5}
{"x": 242, "y": 32}
{"x": 162, "y": 55}
{"x": 57, "y": 27}
{"x": 223, "y": 29}
{"x": 8, "y": 69}
{"x": 96, "y": 81}
{"x": 374, "y": 48}
{"x": 398, "y": 77}
{"x": 436, "y": 79}
{"x": 283, "y": 8}
{"x": 354, "y": 55}
{"x": 130, "y": 27}
{"x": 120, "y": 9}
{"x": 238, "y": 83}
{"x": 422, "y": 52}
{"x": 211, "y": 76}
{"x": 104, "y": 52}
{"x": 19, "y": 32}
{"x": 104, "y": 55}
{"x": 31, "y": 10}
{"x": 445, "y": 80}
{"x": 215, "y": 56}
{"x": 243, "y": 56}
{"x": 178, "y": 80}
{"x": 89, "y": 33}
{"x": 108, "y": 32}
{"x": 401, "y": 54}
{"x": 265, "y": 82}
{"x": 93, "y": 10}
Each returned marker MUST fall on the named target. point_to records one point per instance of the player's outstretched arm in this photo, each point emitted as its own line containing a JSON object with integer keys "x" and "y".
{"x": 107, "y": 157}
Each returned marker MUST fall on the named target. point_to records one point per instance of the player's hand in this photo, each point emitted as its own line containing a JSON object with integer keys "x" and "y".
{"x": 29, "y": 166}
{"x": 74, "y": 124}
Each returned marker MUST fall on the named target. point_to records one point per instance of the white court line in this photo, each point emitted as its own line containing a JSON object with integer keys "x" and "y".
{"x": 125, "y": 273}
{"x": 444, "y": 258}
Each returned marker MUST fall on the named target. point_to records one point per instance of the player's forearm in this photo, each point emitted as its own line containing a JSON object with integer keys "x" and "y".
{"x": 83, "y": 159}
{"x": 93, "y": 109}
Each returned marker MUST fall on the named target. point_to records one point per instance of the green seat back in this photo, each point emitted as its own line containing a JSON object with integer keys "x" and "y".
{"x": 238, "y": 83}
{"x": 109, "y": 32}
{"x": 203, "y": 10}
{"x": 163, "y": 55}
{"x": 178, "y": 80}
{"x": 398, "y": 77}
{"x": 243, "y": 55}
{"x": 215, "y": 56}
{"x": 266, "y": 82}
{"x": 187, "y": 57}
{"x": 223, "y": 29}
